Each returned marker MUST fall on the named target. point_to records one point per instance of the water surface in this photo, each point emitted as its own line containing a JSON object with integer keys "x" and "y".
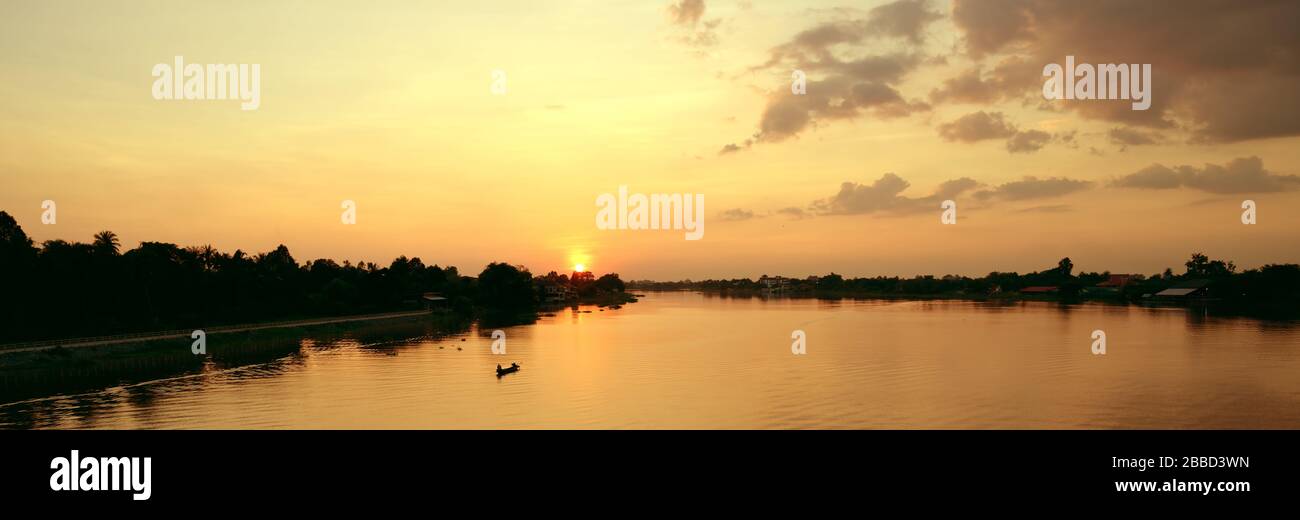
{"x": 687, "y": 360}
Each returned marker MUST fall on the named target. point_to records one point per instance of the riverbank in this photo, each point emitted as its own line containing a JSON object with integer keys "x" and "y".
{"x": 80, "y": 364}
{"x": 57, "y": 352}
{"x": 607, "y": 299}
{"x": 147, "y": 337}
{"x": 62, "y": 370}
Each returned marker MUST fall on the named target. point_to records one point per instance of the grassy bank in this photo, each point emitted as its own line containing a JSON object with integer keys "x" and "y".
{"x": 55, "y": 371}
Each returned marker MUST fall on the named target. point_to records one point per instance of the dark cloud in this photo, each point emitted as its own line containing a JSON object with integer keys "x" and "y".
{"x": 953, "y": 188}
{"x": 1126, "y": 136}
{"x": 815, "y": 46}
{"x": 967, "y": 87}
{"x": 1242, "y": 175}
{"x": 844, "y": 80}
{"x": 1004, "y": 81}
{"x": 1028, "y": 141}
{"x": 1033, "y": 188}
{"x": 1154, "y": 177}
{"x": 1054, "y": 208}
{"x": 695, "y": 31}
{"x": 686, "y": 12}
{"x": 854, "y": 198}
{"x": 1227, "y": 71}
{"x": 736, "y": 214}
{"x": 1067, "y": 138}
{"x": 835, "y": 98}
{"x": 733, "y": 148}
{"x": 991, "y": 25}
{"x": 706, "y": 37}
{"x": 903, "y": 19}
{"x": 792, "y": 212}
{"x": 982, "y": 126}
{"x": 977, "y": 126}
{"x": 739, "y": 214}
{"x": 885, "y": 195}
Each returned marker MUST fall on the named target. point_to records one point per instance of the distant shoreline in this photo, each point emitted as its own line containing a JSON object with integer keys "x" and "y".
{"x": 1215, "y": 307}
{"x": 1271, "y": 291}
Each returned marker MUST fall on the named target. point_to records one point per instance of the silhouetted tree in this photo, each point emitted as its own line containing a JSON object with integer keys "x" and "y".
{"x": 106, "y": 243}
{"x": 504, "y": 286}
{"x": 18, "y": 257}
{"x": 609, "y": 283}
{"x": 70, "y": 289}
{"x": 1201, "y": 266}
{"x": 1065, "y": 267}
{"x": 830, "y": 282}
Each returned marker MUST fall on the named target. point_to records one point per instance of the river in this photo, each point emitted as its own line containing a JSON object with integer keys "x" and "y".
{"x": 689, "y": 360}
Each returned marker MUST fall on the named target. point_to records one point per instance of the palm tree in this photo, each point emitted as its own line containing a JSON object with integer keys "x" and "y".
{"x": 106, "y": 242}
{"x": 206, "y": 256}
{"x": 1065, "y": 267}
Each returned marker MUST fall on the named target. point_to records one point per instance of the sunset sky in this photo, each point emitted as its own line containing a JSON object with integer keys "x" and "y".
{"x": 909, "y": 103}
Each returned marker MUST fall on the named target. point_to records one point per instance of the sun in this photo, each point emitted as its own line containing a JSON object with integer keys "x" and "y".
{"x": 579, "y": 268}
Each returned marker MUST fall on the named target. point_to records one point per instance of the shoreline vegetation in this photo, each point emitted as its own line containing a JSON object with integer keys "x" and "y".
{"x": 1269, "y": 292}
{"x": 61, "y": 290}
{"x": 67, "y": 372}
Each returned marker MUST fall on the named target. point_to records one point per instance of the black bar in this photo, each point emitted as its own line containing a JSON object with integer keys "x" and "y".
{"x": 474, "y": 469}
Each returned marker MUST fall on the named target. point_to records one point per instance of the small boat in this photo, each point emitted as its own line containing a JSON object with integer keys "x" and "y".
{"x": 514, "y": 367}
